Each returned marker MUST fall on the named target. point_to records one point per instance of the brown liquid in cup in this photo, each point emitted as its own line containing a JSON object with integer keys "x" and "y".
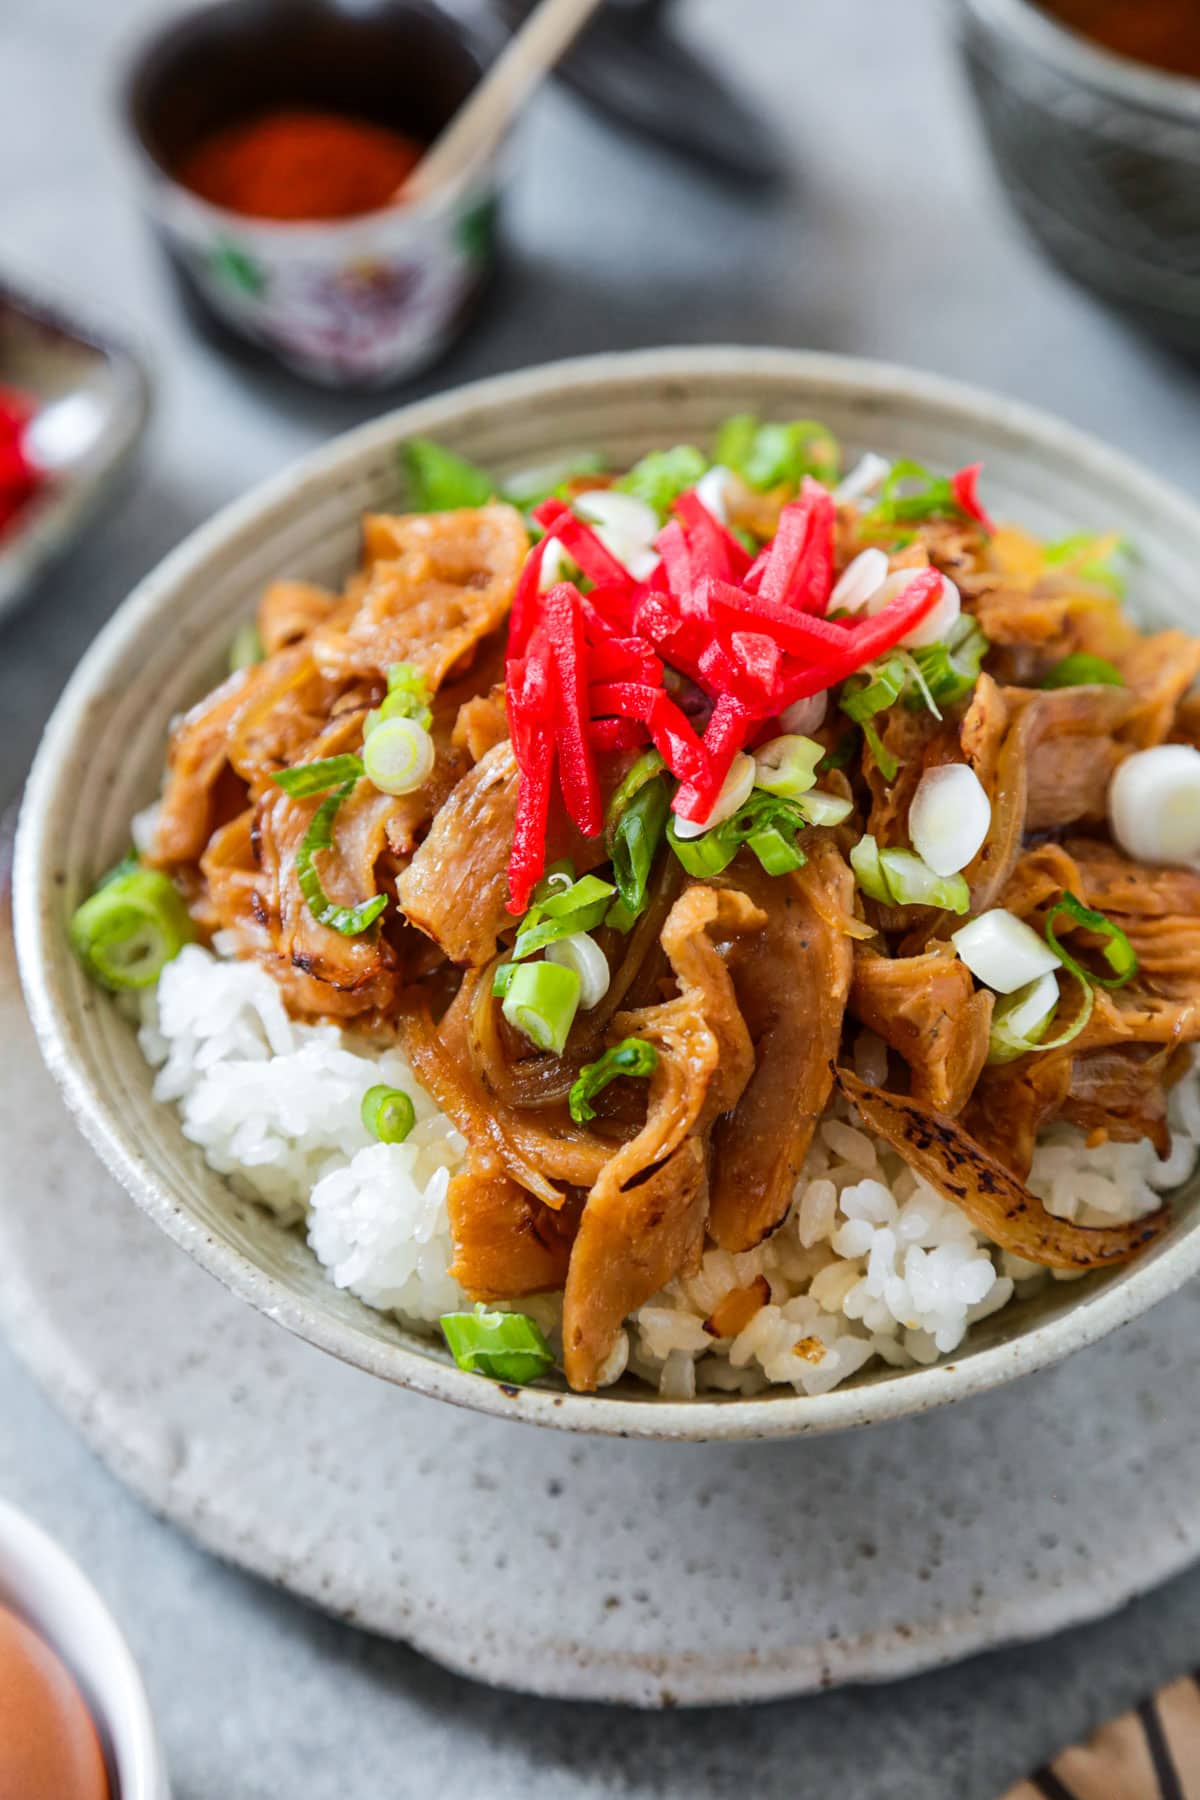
{"x": 1162, "y": 33}
{"x": 49, "y": 1748}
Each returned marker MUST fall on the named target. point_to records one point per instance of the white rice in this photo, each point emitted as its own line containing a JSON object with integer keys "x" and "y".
{"x": 870, "y": 1263}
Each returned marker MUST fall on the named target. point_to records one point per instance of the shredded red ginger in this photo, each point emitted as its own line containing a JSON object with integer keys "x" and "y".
{"x": 20, "y": 478}
{"x": 588, "y": 672}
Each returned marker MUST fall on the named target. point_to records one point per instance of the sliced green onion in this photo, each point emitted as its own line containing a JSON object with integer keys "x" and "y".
{"x": 503, "y": 1346}
{"x": 541, "y": 1002}
{"x": 872, "y": 691}
{"x": 558, "y": 878}
{"x": 128, "y": 863}
{"x": 735, "y": 441}
{"x": 1092, "y": 567}
{"x": 918, "y": 692}
{"x": 582, "y": 953}
{"x": 587, "y": 891}
{"x": 561, "y": 908}
{"x": 1116, "y": 950}
{"x": 912, "y": 882}
{"x": 1083, "y": 670}
{"x": 766, "y": 455}
{"x": 440, "y": 481}
{"x": 620, "y": 917}
{"x": 705, "y": 855}
{"x": 130, "y": 928}
{"x": 787, "y": 766}
{"x": 900, "y": 878}
{"x": 502, "y": 979}
{"x": 820, "y": 808}
{"x": 868, "y": 870}
{"x": 388, "y": 1114}
{"x": 777, "y": 854}
{"x": 348, "y": 921}
{"x": 408, "y": 697}
{"x": 633, "y": 1056}
{"x": 887, "y": 764}
{"x": 663, "y": 475}
{"x": 1012, "y": 1036}
{"x": 762, "y": 813}
{"x": 530, "y": 487}
{"x": 318, "y": 777}
{"x": 246, "y": 648}
{"x": 950, "y": 670}
{"x": 537, "y": 932}
{"x": 634, "y": 844}
{"x": 648, "y": 765}
{"x": 877, "y": 687}
{"x": 911, "y": 493}
{"x": 398, "y": 756}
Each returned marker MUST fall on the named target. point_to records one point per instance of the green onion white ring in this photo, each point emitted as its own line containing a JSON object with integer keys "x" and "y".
{"x": 1154, "y": 804}
{"x": 949, "y": 818}
{"x": 735, "y": 791}
{"x": 584, "y": 955}
{"x": 398, "y": 756}
{"x": 787, "y": 765}
{"x": 1002, "y": 951}
{"x": 541, "y": 1002}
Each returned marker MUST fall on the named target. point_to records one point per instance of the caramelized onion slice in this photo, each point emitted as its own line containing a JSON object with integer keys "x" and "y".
{"x": 991, "y": 1196}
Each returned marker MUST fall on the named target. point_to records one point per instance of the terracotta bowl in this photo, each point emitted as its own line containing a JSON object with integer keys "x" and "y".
{"x": 102, "y": 757}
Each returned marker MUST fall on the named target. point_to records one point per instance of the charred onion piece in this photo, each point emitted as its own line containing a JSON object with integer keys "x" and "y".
{"x": 734, "y": 1310}
{"x": 992, "y": 1198}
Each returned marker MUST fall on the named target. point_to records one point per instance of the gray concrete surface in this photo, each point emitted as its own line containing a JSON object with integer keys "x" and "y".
{"x": 889, "y": 240}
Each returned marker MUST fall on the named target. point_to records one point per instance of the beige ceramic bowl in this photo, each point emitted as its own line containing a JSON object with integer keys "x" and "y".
{"x": 101, "y": 759}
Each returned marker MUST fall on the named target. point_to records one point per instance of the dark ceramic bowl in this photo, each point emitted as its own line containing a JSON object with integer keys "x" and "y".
{"x": 357, "y": 302}
{"x": 1099, "y": 155}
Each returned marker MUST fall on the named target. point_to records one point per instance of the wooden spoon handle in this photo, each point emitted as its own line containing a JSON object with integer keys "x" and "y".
{"x": 478, "y": 126}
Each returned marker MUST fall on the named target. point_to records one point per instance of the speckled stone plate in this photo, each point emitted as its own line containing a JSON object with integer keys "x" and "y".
{"x": 591, "y": 1568}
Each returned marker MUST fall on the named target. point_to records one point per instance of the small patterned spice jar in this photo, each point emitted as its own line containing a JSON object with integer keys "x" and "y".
{"x": 348, "y": 302}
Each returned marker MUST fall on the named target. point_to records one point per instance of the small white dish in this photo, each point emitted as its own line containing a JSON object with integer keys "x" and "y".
{"x": 40, "y": 1583}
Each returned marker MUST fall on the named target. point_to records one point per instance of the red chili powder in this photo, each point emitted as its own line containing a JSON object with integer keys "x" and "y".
{"x": 299, "y": 165}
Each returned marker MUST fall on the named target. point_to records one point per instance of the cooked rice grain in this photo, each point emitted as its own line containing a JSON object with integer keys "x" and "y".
{"x": 870, "y": 1263}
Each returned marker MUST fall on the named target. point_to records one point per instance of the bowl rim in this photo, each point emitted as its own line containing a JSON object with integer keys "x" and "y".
{"x": 1077, "y": 57}
{"x": 42, "y": 1583}
{"x": 38, "y": 928}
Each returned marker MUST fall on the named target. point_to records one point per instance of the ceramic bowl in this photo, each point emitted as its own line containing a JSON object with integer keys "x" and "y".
{"x": 360, "y": 302}
{"x": 40, "y": 1583}
{"x": 1099, "y": 155}
{"x": 102, "y": 758}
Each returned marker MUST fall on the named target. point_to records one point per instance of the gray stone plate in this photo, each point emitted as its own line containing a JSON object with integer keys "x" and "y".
{"x": 585, "y": 1567}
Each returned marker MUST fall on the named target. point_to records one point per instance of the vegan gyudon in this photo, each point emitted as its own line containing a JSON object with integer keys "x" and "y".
{"x": 722, "y": 919}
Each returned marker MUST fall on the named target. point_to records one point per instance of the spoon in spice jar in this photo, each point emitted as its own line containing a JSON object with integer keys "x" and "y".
{"x": 478, "y": 126}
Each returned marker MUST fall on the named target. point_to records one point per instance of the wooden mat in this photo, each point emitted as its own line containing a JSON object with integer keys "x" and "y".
{"x": 1152, "y": 1753}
